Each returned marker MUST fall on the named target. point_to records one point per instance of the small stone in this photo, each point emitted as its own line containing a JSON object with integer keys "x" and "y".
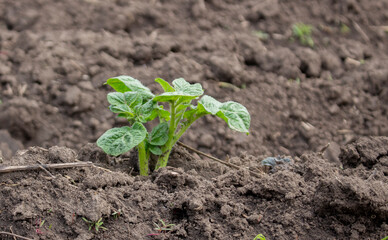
{"x": 226, "y": 210}
{"x": 351, "y": 63}
{"x": 334, "y": 109}
{"x": 72, "y": 95}
{"x": 85, "y": 77}
{"x": 332, "y": 153}
{"x": 93, "y": 70}
{"x": 61, "y": 155}
{"x": 206, "y": 140}
{"x": 86, "y": 85}
{"x": 255, "y": 218}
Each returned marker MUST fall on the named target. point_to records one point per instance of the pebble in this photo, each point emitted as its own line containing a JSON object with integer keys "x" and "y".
{"x": 207, "y": 140}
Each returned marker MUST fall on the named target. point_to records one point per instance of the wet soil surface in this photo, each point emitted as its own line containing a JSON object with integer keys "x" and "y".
{"x": 56, "y": 55}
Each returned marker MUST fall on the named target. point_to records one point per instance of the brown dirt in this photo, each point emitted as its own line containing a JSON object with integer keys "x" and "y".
{"x": 310, "y": 198}
{"x": 55, "y": 55}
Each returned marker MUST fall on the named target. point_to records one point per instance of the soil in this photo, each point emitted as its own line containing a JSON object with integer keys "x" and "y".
{"x": 56, "y": 55}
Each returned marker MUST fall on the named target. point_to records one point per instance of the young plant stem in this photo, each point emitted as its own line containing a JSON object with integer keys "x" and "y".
{"x": 143, "y": 160}
{"x": 162, "y": 160}
{"x": 172, "y": 140}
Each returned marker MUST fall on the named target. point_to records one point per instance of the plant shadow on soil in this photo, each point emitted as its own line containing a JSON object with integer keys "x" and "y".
{"x": 310, "y": 198}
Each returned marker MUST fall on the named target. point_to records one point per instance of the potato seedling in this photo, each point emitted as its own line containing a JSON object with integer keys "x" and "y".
{"x": 303, "y": 32}
{"x": 135, "y": 102}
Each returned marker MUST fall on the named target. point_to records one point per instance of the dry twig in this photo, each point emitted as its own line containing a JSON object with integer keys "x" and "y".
{"x": 94, "y": 165}
{"x": 47, "y": 166}
{"x": 15, "y": 235}
{"x": 41, "y": 165}
{"x": 361, "y": 32}
{"x": 10, "y": 228}
{"x": 216, "y": 159}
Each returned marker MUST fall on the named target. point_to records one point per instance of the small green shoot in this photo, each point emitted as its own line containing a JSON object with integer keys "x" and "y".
{"x": 97, "y": 225}
{"x": 164, "y": 227}
{"x": 297, "y": 80}
{"x": 116, "y": 214}
{"x": 386, "y": 238}
{"x": 261, "y": 35}
{"x": 303, "y": 32}
{"x": 259, "y": 237}
{"x": 136, "y": 103}
{"x": 344, "y": 29}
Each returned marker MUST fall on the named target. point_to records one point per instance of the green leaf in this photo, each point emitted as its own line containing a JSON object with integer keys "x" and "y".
{"x": 182, "y": 85}
{"x": 209, "y": 104}
{"x": 147, "y": 108}
{"x": 182, "y": 106}
{"x": 117, "y": 141}
{"x": 125, "y": 115}
{"x": 123, "y": 108}
{"x": 128, "y": 84}
{"x": 236, "y": 115}
{"x": 147, "y": 111}
{"x": 116, "y": 98}
{"x": 159, "y": 134}
{"x": 190, "y": 113}
{"x": 163, "y": 114}
{"x": 155, "y": 150}
{"x": 259, "y": 237}
{"x": 134, "y": 98}
{"x": 183, "y": 90}
{"x": 165, "y": 85}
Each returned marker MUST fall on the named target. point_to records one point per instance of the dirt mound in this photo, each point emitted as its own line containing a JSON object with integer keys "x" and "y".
{"x": 308, "y": 198}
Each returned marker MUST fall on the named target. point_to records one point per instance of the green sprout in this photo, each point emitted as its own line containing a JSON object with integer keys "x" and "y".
{"x": 164, "y": 227}
{"x": 135, "y": 102}
{"x": 261, "y": 35}
{"x": 303, "y": 32}
{"x": 259, "y": 237}
{"x": 344, "y": 29}
{"x": 116, "y": 214}
{"x": 386, "y": 238}
{"x": 97, "y": 225}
